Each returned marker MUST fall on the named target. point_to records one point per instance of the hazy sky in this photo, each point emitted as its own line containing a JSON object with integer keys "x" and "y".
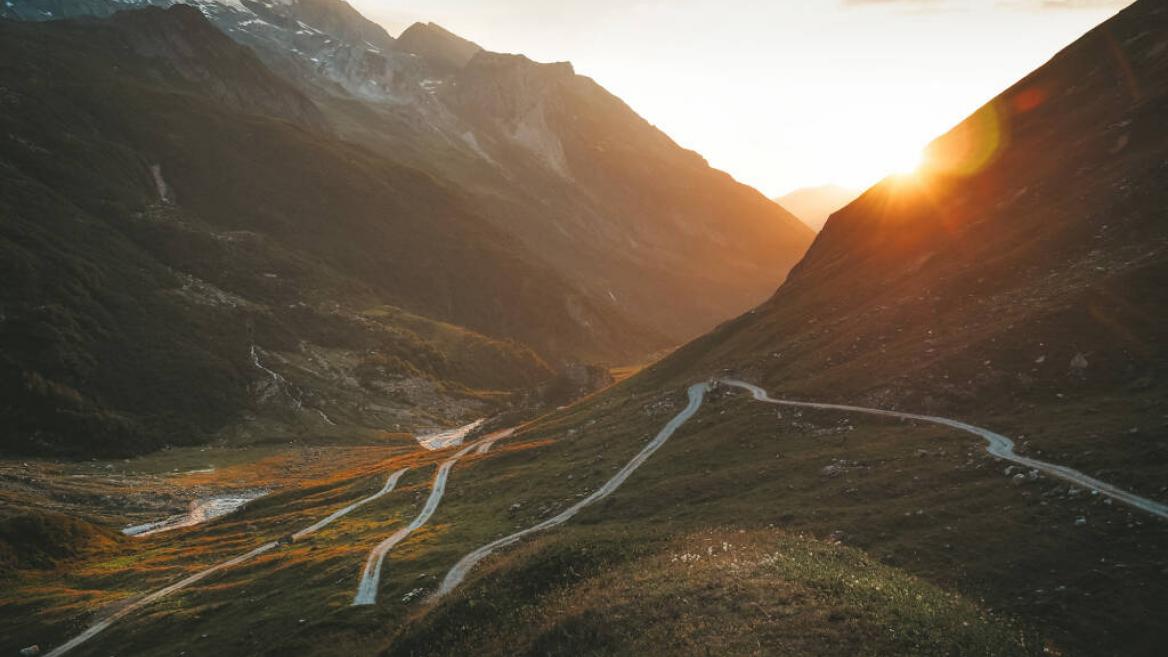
{"x": 781, "y": 93}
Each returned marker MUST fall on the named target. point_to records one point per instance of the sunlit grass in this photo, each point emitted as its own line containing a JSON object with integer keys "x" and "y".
{"x": 735, "y": 466}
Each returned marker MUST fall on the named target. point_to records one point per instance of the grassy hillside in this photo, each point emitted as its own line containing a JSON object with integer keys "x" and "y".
{"x": 733, "y": 592}
{"x": 688, "y": 552}
{"x": 1015, "y": 283}
{"x": 32, "y": 540}
{"x": 812, "y": 532}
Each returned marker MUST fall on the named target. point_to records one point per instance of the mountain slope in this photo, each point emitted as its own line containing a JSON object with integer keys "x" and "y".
{"x": 549, "y": 157}
{"x": 164, "y": 250}
{"x": 1018, "y": 283}
{"x": 206, "y": 148}
{"x": 612, "y": 202}
{"x": 310, "y": 41}
{"x": 1027, "y": 259}
{"x": 641, "y": 216}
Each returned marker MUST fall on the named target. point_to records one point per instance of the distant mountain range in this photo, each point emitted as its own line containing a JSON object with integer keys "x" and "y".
{"x": 312, "y": 224}
{"x": 813, "y": 205}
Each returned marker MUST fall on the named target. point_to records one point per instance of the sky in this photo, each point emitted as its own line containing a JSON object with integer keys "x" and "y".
{"x": 782, "y": 94}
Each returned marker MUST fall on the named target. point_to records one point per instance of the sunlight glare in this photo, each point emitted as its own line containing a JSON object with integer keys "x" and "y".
{"x": 907, "y": 163}
{"x": 869, "y": 165}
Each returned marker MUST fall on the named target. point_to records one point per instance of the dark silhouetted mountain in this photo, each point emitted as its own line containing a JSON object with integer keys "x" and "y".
{"x": 1028, "y": 259}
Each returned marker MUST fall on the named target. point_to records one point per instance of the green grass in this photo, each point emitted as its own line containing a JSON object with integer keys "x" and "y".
{"x": 40, "y": 539}
{"x": 966, "y": 562}
{"x": 716, "y": 592}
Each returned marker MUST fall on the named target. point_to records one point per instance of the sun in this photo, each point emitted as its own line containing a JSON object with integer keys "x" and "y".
{"x": 906, "y": 163}
{"x": 862, "y": 169}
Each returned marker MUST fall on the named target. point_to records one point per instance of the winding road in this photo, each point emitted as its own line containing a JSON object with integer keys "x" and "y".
{"x": 98, "y": 627}
{"x": 697, "y": 393}
{"x": 151, "y": 598}
{"x": 390, "y": 484}
{"x": 371, "y": 576}
{"x": 996, "y": 445}
{"x": 489, "y": 440}
{"x": 368, "y": 589}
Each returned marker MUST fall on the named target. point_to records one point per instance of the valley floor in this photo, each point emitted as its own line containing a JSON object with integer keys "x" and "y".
{"x": 753, "y": 530}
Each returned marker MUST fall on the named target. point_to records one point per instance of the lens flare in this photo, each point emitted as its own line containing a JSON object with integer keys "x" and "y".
{"x": 1029, "y": 99}
{"x": 971, "y": 146}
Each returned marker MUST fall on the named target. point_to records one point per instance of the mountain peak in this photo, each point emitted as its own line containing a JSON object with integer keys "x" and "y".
{"x": 496, "y": 62}
{"x": 440, "y": 46}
